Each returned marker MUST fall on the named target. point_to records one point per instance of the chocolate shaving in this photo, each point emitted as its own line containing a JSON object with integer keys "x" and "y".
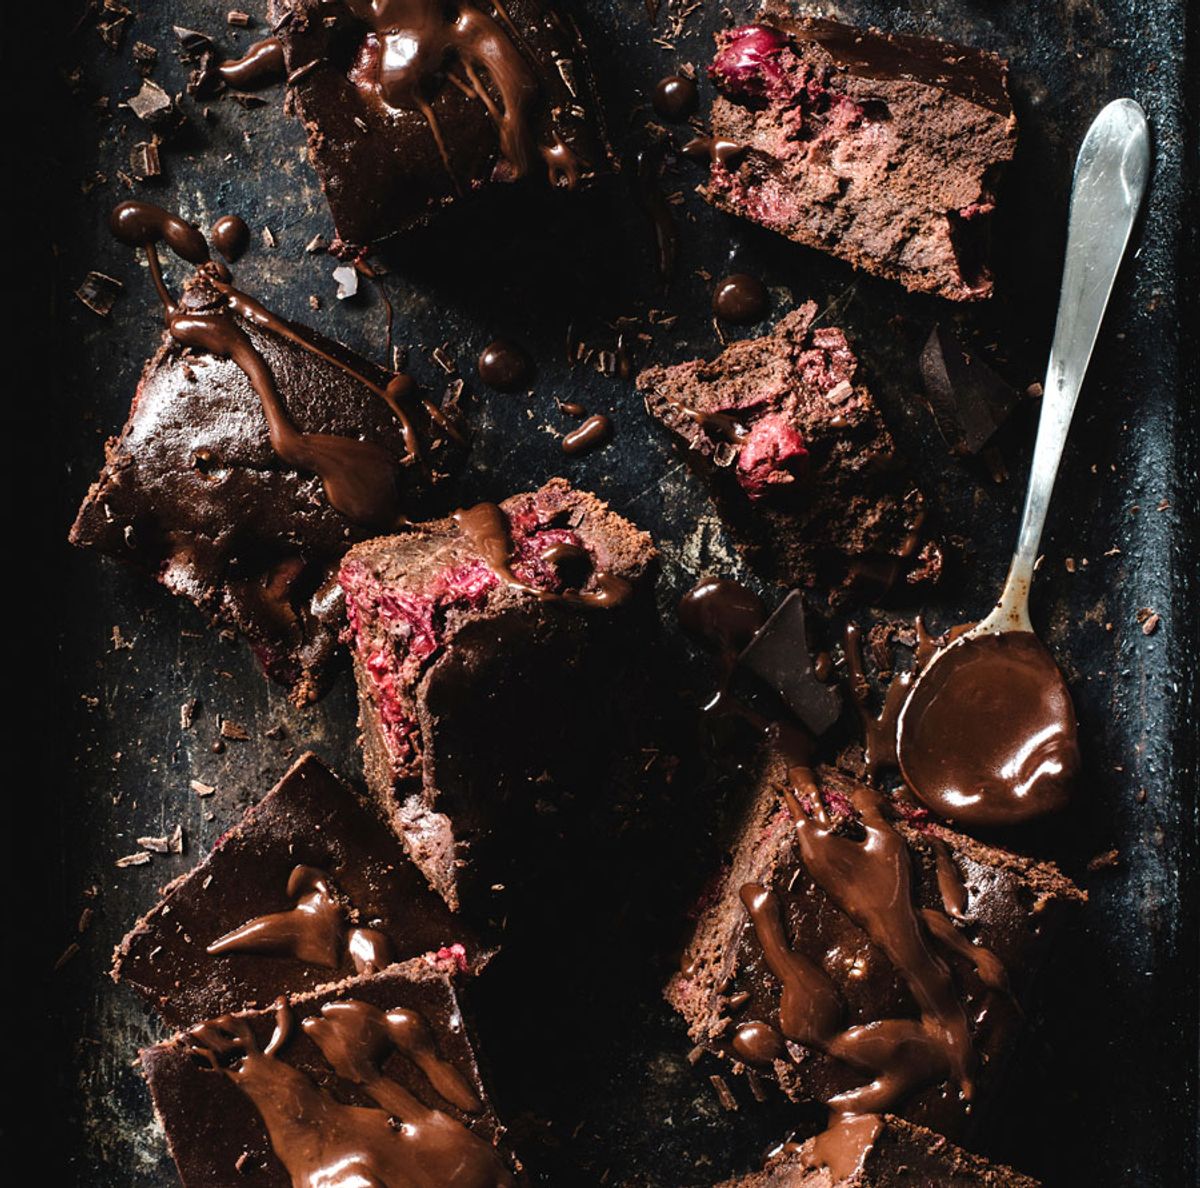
{"x": 99, "y": 292}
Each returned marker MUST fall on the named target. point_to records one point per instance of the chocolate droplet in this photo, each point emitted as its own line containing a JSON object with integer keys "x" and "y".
{"x": 675, "y": 98}
{"x": 504, "y": 366}
{"x": 740, "y": 298}
{"x": 595, "y": 431}
{"x": 230, "y": 236}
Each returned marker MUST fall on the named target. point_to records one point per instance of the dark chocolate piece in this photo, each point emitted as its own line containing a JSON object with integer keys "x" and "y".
{"x": 676, "y": 98}
{"x": 411, "y": 104}
{"x": 832, "y": 961}
{"x": 804, "y": 466}
{"x": 309, "y": 887}
{"x": 504, "y": 366}
{"x": 485, "y": 647}
{"x": 879, "y": 1151}
{"x": 256, "y": 452}
{"x": 370, "y": 1081}
{"x": 779, "y": 654}
{"x": 969, "y": 400}
{"x": 878, "y": 148}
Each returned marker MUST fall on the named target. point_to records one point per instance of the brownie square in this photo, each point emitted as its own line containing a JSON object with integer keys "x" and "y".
{"x": 409, "y": 108}
{"x": 336, "y": 884}
{"x": 881, "y": 149}
{"x": 375, "y": 1078}
{"x": 193, "y": 492}
{"x": 802, "y": 463}
{"x": 883, "y": 1151}
{"x": 981, "y": 919}
{"x": 485, "y": 669}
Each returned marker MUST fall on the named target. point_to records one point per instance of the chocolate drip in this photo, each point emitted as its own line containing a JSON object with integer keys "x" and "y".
{"x": 758, "y": 1043}
{"x": 230, "y": 236}
{"x": 727, "y": 615}
{"x": 988, "y": 735}
{"x": 950, "y": 884}
{"x": 740, "y": 298}
{"x": 261, "y": 66}
{"x": 486, "y": 527}
{"x": 359, "y": 477}
{"x": 414, "y": 44}
{"x": 843, "y": 1146}
{"x": 676, "y": 97}
{"x": 595, "y": 431}
{"x": 714, "y": 150}
{"x": 314, "y": 930}
{"x": 320, "y": 1140}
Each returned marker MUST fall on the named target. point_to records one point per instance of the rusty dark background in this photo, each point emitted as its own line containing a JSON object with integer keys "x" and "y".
{"x": 587, "y": 1063}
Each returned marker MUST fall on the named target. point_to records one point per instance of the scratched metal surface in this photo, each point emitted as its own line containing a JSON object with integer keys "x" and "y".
{"x": 588, "y": 1064}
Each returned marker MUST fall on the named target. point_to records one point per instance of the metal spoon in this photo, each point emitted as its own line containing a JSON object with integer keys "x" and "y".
{"x": 987, "y": 733}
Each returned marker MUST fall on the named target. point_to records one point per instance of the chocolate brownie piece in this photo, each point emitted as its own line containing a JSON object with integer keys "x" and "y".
{"x": 309, "y": 887}
{"x": 881, "y": 149}
{"x": 410, "y": 106}
{"x": 371, "y": 1081}
{"x": 804, "y": 467}
{"x": 485, "y": 649}
{"x": 198, "y": 492}
{"x": 881, "y": 1151}
{"x": 842, "y": 923}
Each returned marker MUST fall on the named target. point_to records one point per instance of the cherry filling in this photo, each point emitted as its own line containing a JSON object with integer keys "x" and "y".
{"x": 396, "y": 632}
{"x": 748, "y": 65}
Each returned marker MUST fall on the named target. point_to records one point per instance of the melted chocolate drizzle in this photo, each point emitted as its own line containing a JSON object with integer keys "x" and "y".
{"x": 323, "y": 1142}
{"x": 314, "y": 930}
{"x": 413, "y": 45}
{"x": 359, "y": 477}
{"x": 486, "y": 527}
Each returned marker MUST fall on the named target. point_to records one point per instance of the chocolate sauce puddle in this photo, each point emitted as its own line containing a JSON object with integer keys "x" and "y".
{"x": 324, "y": 1143}
{"x": 486, "y": 526}
{"x": 315, "y": 930}
{"x": 988, "y": 735}
{"x": 359, "y": 477}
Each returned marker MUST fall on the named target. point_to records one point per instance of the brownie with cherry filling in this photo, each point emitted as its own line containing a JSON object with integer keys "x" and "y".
{"x": 881, "y": 149}
{"x": 193, "y": 492}
{"x": 410, "y": 107}
{"x": 373, "y": 1080}
{"x": 307, "y": 888}
{"x": 803, "y": 464}
{"x": 883, "y": 1151}
{"x": 487, "y": 649}
{"x": 978, "y": 918}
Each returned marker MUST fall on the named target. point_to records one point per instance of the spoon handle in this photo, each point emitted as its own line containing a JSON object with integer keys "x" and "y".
{"x": 1110, "y": 179}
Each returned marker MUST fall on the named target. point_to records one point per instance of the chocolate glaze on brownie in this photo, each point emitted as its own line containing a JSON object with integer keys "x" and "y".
{"x": 881, "y": 149}
{"x": 483, "y": 648}
{"x": 803, "y": 464}
{"x": 481, "y": 94}
{"x": 256, "y": 452}
{"x": 373, "y": 1081}
{"x": 862, "y": 956}
{"x": 308, "y": 888}
{"x": 882, "y": 1151}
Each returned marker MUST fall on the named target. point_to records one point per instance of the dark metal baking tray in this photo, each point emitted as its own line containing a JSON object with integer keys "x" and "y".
{"x": 592, "y": 1068}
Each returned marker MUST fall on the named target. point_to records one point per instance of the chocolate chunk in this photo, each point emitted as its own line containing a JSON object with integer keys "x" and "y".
{"x": 152, "y": 105}
{"x": 779, "y": 654}
{"x": 99, "y": 292}
{"x": 968, "y": 399}
{"x": 145, "y": 162}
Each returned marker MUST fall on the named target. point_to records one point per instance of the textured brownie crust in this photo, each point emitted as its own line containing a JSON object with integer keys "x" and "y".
{"x": 880, "y": 149}
{"x": 901, "y": 1155}
{"x": 475, "y": 697}
{"x": 309, "y": 818}
{"x": 215, "y": 1134}
{"x": 841, "y": 517}
{"x": 1014, "y": 906}
{"x": 382, "y": 171}
{"x": 193, "y": 492}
